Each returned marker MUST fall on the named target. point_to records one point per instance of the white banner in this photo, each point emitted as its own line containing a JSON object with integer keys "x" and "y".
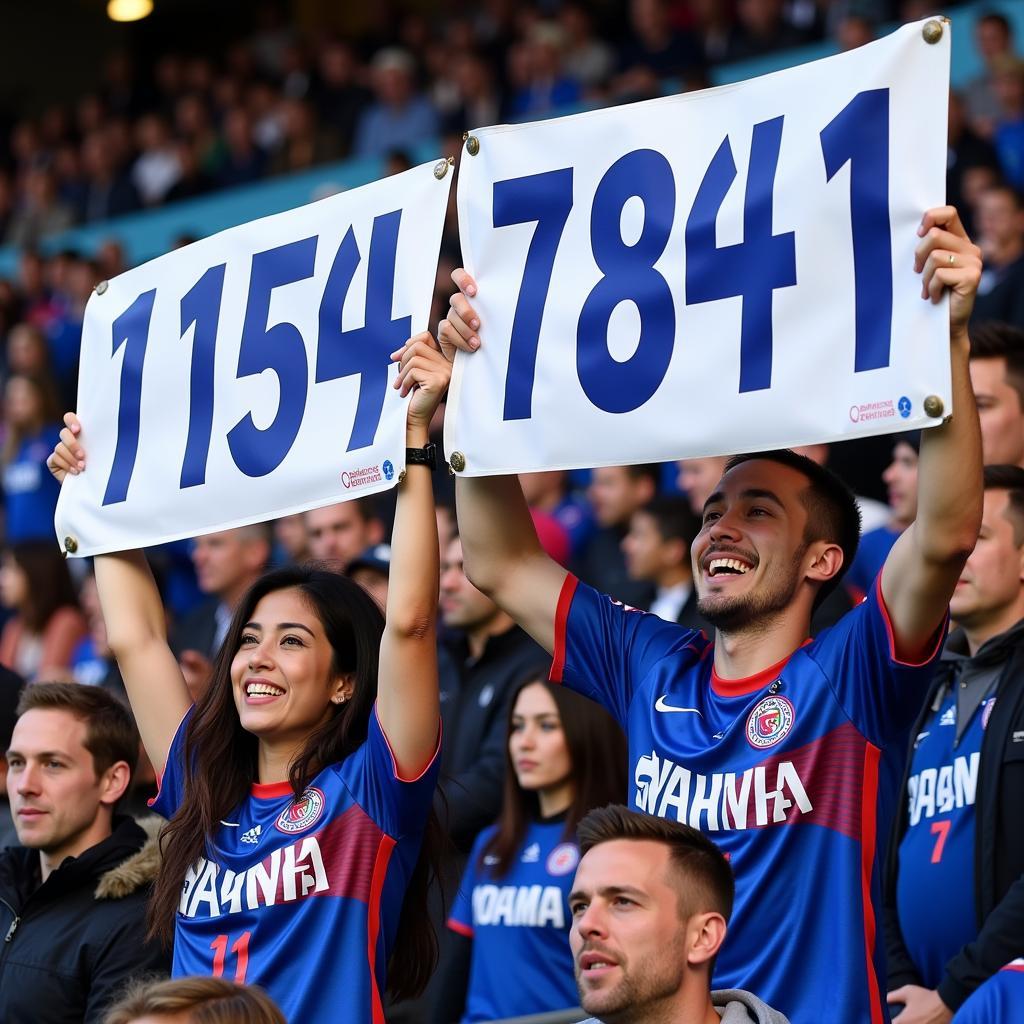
{"x": 710, "y": 273}
{"x": 248, "y": 376}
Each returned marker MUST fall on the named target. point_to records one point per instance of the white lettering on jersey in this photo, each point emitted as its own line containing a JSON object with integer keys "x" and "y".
{"x": 939, "y": 790}
{"x": 529, "y": 906}
{"x": 291, "y": 873}
{"x": 718, "y": 801}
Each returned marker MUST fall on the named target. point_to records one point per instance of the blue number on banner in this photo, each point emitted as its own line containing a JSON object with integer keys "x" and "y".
{"x": 859, "y": 135}
{"x": 755, "y": 267}
{"x": 130, "y": 329}
{"x": 365, "y": 350}
{"x": 280, "y": 348}
{"x": 629, "y": 276}
{"x": 201, "y": 306}
{"x": 545, "y": 199}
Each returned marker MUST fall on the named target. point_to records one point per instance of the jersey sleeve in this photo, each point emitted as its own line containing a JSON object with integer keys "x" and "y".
{"x": 879, "y": 693}
{"x": 604, "y": 649}
{"x": 400, "y": 807}
{"x": 171, "y": 783}
{"x": 461, "y": 918}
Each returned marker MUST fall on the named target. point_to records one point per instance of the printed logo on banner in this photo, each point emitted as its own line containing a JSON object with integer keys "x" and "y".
{"x": 904, "y": 405}
{"x": 769, "y": 722}
{"x": 563, "y": 859}
{"x": 389, "y": 469}
{"x": 303, "y": 813}
{"x": 875, "y": 411}
{"x": 363, "y": 477}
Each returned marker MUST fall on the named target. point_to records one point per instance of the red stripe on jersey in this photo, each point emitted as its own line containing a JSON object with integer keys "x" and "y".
{"x": 460, "y": 928}
{"x": 380, "y": 871}
{"x": 348, "y": 846}
{"x": 869, "y": 806}
{"x": 932, "y": 646}
{"x": 1014, "y": 965}
{"x": 561, "y": 621}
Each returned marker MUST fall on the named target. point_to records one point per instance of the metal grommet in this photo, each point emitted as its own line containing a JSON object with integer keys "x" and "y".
{"x": 440, "y": 169}
{"x": 931, "y": 31}
{"x": 933, "y": 406}
{"x": 401, "y": 476}
{"x": 70, "y": 545}
{"x": 457, "y": 462}
{"x": 101, "y": 287}
{"x": 472, "y": 145}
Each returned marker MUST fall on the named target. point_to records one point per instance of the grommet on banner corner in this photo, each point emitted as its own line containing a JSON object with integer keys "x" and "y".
{"x": 441, "y": 169}
{"x": 934, "y": 406}
{"x": 472, "y": 145}
{"x": 70, "y": 545}
{"x": 457, "y": 462}
{"x": 931, "y": 31}
{"x": 401, "y": 476}
{"x": 101, "y": 287}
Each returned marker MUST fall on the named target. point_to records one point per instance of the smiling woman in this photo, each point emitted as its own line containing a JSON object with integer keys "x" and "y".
{"x": 299, "y": 789}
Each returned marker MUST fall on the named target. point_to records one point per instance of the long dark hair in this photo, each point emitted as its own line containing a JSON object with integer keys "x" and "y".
{"x": 48, "y": 582}
{"x": 219, "y": 758}
{"x": 597, "y": 754}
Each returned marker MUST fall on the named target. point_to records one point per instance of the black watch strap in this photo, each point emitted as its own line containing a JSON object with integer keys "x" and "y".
{"x": 422, "y": 456}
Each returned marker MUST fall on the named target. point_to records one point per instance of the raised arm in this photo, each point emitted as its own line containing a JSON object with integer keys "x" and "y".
{"x": 501, "y": 553}
{"x": 922, "y": 569}
{"x": 136, "y": 626}
{"x": 408, "y": 705}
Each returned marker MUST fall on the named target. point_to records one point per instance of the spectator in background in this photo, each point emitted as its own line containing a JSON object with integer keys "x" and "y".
{"x": 564, "y": 756}
{"x": 997, "y": 379}
{"x": 227, "y": 564}
{"x": 1000, "y": 219}
{"x": 336, "y": 92}
{"x": 244, "y": 161}
{"x": 38, "y": 640}
{"x": 900, "y": 479}
{"x": 33, "y": 425}
{"x": 968, "y": 155}
{"x": 654, "y": 51}
{"x": 615, "y": 493}
{"x": 999, "y": 998}
{"x": 993, "y": 39}
{"x": 762, "y": 28}
{"x": 371, "y": 570}
{"x": 1008, "y": 85}
{"x": 955, "y": 900}
{"x": 549, "y": 492}
{"x": 657, "y": 550}
{"x": 586, "y": 58}
{"x": 10, "y": 691}
{"x": 73, "y": 900}
{"x": 301, "y": 146}
{"x": 41, "y": 211}
{"x": 698, "y": 478}
{"x": 156, "y": 169}
{"x": 650, "y": 905}
{"x": 399, "y": 116}
{"x": 483, "y": 656}
{"x": 291, "y": 539}
{"x": 544, "y": 86}
{"x": 194, "y": 1001}
{"x": 477, "y": 101}
{"x": 109, "y": 191}
{"x": 339, "y": 533}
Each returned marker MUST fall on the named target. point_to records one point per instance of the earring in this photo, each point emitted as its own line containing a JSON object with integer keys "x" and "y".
{"x": 340, "y": 699}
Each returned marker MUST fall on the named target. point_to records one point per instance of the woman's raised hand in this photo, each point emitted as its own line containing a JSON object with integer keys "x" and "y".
{"x": 423, "y": 370}
{"x": 69, "y": 455}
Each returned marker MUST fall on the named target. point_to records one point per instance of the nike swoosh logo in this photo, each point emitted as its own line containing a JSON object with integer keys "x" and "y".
{"x": 660, "y": 705}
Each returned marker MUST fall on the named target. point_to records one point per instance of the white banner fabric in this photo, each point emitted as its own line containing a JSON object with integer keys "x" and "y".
{"x": 248, "y": 376}
{"x": 710, "y": 273}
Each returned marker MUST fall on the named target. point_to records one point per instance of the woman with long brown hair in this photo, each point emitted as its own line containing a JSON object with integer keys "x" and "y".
{"x": 299, "y": 788}
{"x": 565, "y": 756}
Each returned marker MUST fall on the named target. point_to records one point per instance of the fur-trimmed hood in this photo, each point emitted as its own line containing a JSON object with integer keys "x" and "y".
{"x": 137, "y": 871}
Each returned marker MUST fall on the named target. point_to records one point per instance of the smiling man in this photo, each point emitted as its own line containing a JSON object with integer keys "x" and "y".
{"x": 784, "y": 750}
{"x": 650, "y": 905}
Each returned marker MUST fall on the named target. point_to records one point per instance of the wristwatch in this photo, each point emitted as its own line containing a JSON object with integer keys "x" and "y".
{"x": 422, "y": 456}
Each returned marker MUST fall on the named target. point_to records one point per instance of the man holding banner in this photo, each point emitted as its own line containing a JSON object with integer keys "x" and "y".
{"x": 785, "y": 749}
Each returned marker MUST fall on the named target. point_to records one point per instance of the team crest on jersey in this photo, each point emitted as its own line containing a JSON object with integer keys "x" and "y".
{"x": 302, "y": 813}
{"x": 769, "y": 722}
{"x": 563, "y": 859}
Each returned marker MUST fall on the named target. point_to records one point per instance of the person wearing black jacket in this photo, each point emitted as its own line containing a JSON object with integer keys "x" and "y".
{"x": 73, "y": 897}
{"x": 967, "y": 826}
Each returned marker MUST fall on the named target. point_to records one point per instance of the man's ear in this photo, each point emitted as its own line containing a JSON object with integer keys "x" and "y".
{"x": 826, "y": 560}
{"x": 374, "y": 532}
{"x": 344, "y": 686}
{"x": 114, "y": 783}
{"x": 706, "y": 933}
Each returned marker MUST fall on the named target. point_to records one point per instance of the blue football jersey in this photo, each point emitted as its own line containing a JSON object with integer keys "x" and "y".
{"x": 521, "y": 963}
{"x": 1000, "y": 1000}
{"x": 793, "y": 772}
{"x": 937, "y": 850}
{"x": 303, "y": 897}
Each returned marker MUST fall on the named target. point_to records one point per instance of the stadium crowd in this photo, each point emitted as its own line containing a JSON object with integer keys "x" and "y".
{"x": 544, "y": 892}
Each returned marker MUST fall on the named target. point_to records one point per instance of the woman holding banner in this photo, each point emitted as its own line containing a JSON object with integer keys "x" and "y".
{"x": 299, "y": 789}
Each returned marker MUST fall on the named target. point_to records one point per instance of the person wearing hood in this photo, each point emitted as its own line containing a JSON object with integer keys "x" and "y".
{"x": 73, "y": 896}
{"x": 954, "y": 904}
{"x": 650, "y": 906}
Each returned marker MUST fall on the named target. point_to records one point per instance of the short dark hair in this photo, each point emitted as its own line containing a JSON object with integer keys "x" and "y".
{"x": 1010, "y": 479}
{"x": 49, "y": 582}
{"x": 832, "y": 510}
{"x": 650, "y": 470}
{"x": 110, "y": 733}
{"x": 673, "y": 517}
{"x": 995, "y": 340}
{"x": 996, "y": 18}
{"x": 708, "y": 882}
